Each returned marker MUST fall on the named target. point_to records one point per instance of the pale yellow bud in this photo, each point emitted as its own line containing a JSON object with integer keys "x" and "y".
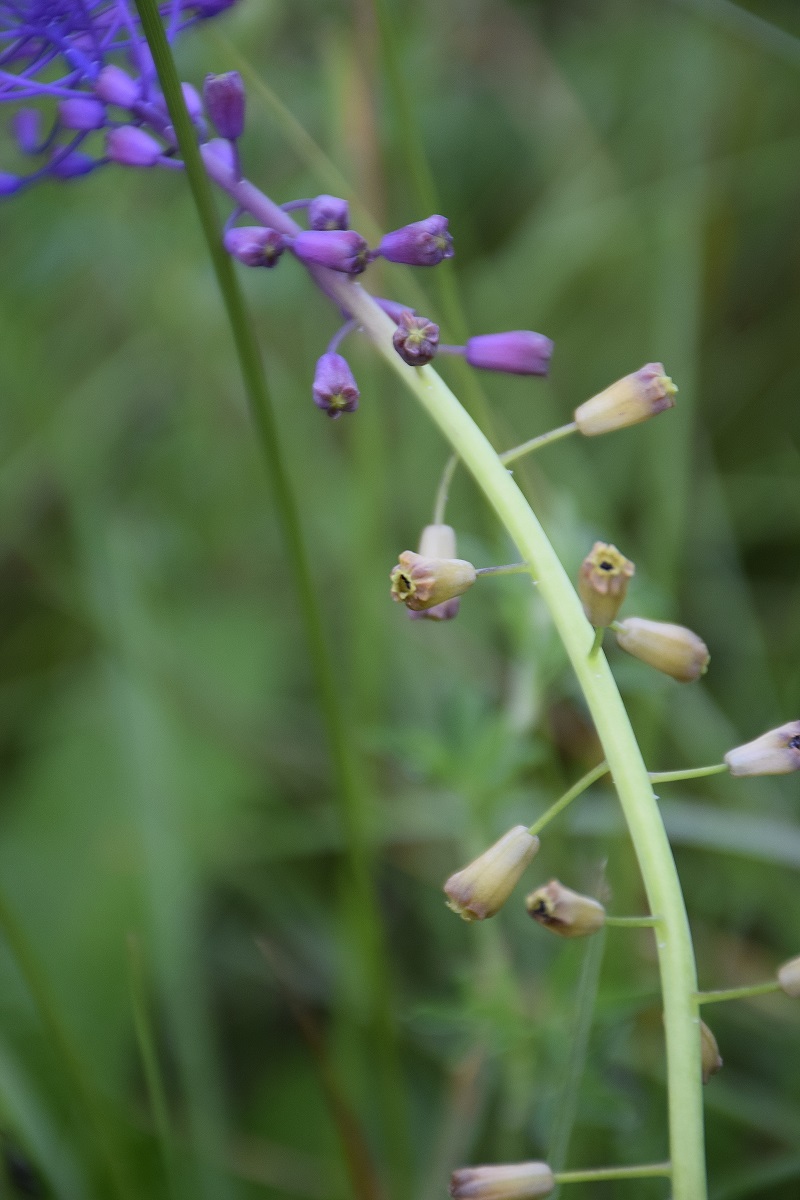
{"x": 510, "y": 1181}
{"x": 603, "y": 582}
{"x": 635, "y": 398}
{"x": 438, "y": 541}
{"x": 672, "y": 649}
{"x": 481, "y": 889}
{"x": 420, "y": 582}
{"x": 565, "y": 912}
{"x": 774, "y": 753}
{"x": 709, "y": 1053}
{"x": 789, "y": 977}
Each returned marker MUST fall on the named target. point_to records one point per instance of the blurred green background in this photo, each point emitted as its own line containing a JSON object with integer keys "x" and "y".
{"x": 192, "y": 1000}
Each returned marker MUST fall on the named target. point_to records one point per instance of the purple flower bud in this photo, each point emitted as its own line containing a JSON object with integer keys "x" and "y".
{"x": 339, "y": 249}
{"x": 132, "y": 147}
{"x": 423, "y": 244}
{"x": 115, "y": 86}
{"x": 225, "y": 100}
{"x": 191, "y": 98}
{"x": 415, "y": 339}
{"x": 519, "y": 353}
{"x": 335, "y": 388}
{"x": 72, "y": 165}
{"x": 27, "y": 124}
{"x": 222, "y": 150}
{"x": 82, "y": 113}
{"x": 328, "y": 212}
{"x": 255, "y": 245}
{"x": 9, "y": 183}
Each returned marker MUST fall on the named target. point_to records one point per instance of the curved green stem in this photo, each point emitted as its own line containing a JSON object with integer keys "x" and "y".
{"x": 648, "y": 1171}
{"x": 632, "y": 922}
{"x": 576, "y": 790}
{"x": 690, "y": 773}
{"x": 739, "y": 993}
{"x": 597, "y": 643}
{"x": 536, "y": 443}
{"x": 443, "y": 491}
{"x": 676, "y": 955}
{"x": 508, "y": 569}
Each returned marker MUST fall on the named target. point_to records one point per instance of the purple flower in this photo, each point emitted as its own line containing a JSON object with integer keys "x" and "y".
{"x": 335, "y": 389}
{"x": 132, "y": 147}
{"x": 9, "y": 183}
{"x": 27, "y": 125}
{"x": 225, "y": 101}
{"x": 415, "y": 339}
{"x": 520, "y": 352}
{"x": 115, "y": 86}
{"x": 423, "y": 244}
{"x": 328, "y": 212}
{"x": 82, "y": 113}
{"x": 339, "y": 249}
{"x": 255, "y": 245}
{"x": 64, "y": 51}
{"x": 72, "y": 165}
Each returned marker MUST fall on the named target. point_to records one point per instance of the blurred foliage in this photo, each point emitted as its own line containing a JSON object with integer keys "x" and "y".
{"x": 620, "y": 174}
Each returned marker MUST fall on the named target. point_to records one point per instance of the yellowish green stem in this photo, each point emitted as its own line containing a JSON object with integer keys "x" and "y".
{"x": 648, "y": 1171}
{"x": 564, "y": 801}
{"x": 740, "y": 993}
{"x": 690, "y": 773}
{"x": 536, "y": 443}
{"x": 510, "y": 569}
{"x": 632, "y": 922}
{"x": 676, "y": 955}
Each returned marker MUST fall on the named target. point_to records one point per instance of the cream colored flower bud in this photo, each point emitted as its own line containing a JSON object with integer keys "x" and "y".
{"x": 421, "y": 582}
{"x": 709, "y": 1053}
{"x": 789, "y": 977}
{"x": 672, "y": 649}
{"x": 482, "y": 888}
{"x": 603, "y": 582}
{"x": 438, "y": 541}
{"x": 774, "y": 753}
{"x": 635, "y": 398}
{"x": 565, "y": 912}
{"x": 510, "y": 1181}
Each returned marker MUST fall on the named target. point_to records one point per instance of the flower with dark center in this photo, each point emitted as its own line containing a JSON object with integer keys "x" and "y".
{"x": 255, "y": 245}
{"x": 415, "y": 339}
{"x": 338, "y": 249}
{"x": 422, "y": 244}
{"x": 335, "y": 390}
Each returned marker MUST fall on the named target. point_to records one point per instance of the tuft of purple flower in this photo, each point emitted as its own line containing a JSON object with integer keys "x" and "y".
{"x": 255, "y": 245}
{"x": 335, "y": 389}
{"x": 422, "y": 244}
{"x": 415, "y": 339}
{"x": 64, "y": 51}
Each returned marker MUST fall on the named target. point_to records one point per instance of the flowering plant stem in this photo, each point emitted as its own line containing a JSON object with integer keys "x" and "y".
{"x": 648, "y": 1171}
{"x": 739, "y": 993}
{"x": 673, "y": 939}
{"x": 676, "y": 956}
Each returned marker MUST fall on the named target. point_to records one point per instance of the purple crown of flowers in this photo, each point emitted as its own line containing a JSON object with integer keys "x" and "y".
{"x": 71, "y": 53}
{"x": 58, "y": 50}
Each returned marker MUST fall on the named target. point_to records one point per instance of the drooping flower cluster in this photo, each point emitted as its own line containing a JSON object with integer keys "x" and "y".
{"x": 64, "y": 55}
{"x": 71, "y": 52}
